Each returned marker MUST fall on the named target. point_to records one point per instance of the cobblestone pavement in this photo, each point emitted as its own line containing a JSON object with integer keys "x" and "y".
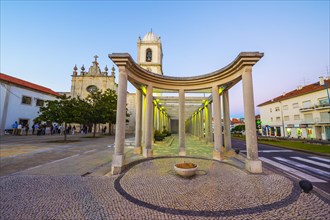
{"x": 151, "y": 190}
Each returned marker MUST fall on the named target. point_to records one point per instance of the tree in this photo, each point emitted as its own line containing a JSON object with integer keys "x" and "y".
{"x": 100, "y": 108}
{"x": 63, "y": 110}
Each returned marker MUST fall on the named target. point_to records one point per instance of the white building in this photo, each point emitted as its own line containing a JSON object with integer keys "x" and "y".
{"x": 301, "y": 113}
{"x": 20, "y": 101}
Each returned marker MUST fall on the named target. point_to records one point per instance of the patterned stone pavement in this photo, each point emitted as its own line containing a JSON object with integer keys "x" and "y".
{"x": 150, "y": 189}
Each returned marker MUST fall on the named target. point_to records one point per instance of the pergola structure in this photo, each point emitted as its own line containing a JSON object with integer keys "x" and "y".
{"x": 191, "y": 112}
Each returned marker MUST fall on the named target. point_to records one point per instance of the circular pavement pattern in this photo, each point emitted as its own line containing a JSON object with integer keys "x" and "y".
{"x": 218, "y": 189}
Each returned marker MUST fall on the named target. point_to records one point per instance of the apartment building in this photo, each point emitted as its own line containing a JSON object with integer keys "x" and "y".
{"x": 301, "y": 113}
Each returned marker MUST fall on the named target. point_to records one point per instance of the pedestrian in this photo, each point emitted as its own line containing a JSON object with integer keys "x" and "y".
{"x": 14, "y": 126}
{"x": 27, "y": 129}
{"x": 104, "y": 129}
{"x": 33, "y": 128}
{"x": 73, "y": 129}
{"x": 19, "y": 129}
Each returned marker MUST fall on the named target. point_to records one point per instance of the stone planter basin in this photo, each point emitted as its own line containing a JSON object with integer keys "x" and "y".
{"x": 185, "y": 169}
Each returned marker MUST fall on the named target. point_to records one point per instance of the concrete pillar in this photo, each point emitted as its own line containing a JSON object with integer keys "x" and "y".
{"x": 252, "y": 162}
{"x": 226, "y": 118}
{"x": 147, "y": 151}
{"x": 207, "y": 123}
{"x": 210, "y": 123}
{"x": 217, "y": 153}
{"x": 119, "y": 157}
{"x": 200, "y": 120}
{"x": 138, "y": 123}
{"x": 144, "y": 115}
{"x": 160, "y": 121}
{"x": 182, "y": 149}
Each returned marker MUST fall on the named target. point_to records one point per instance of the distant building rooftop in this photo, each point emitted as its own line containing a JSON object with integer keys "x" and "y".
{"x": 301, "y": 90}
{"x": 26, "y": 84}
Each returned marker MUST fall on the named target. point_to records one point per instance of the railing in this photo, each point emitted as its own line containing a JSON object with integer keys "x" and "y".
{"x": 311, "y": 108}
{"x": 322, "y": 106}
{"x": 315, "y": 120}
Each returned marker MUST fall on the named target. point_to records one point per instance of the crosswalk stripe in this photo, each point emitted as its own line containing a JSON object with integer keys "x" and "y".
{"x": 312, "y": 162}
{"x": 271, "y": 151}
{"x": 314, "y": 170}
{"x": 293, "y": 171}
{"x": 321, "y": 159}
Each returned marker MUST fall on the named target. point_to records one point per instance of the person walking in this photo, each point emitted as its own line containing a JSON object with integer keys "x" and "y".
{"x": 14, "y": 126}
{"x": 73, "y": 129}
{"x": 19, "y": 129}
{"x": 27, "y": 129}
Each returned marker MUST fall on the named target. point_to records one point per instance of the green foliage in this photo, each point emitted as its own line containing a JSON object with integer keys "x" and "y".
{"x": 99, "y": 108}
{"x": 158, "y": 136}
{"x": 63, "y": 110}
{"x": 238, "y": 128}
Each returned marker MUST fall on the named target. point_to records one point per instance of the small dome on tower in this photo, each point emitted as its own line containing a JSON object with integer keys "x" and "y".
{"x": 150, "y": 36}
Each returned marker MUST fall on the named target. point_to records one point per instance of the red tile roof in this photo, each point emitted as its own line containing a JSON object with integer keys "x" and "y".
{"x": 22, "y": 83}
{"x": 298, "y": 92}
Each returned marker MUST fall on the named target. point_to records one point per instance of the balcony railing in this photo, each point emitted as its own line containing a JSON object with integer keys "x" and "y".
{"x": 315, "y": 107}
{"x": 316, "y": 120}
{"x": 322, "y": 106}
{"x": 306, "y": 109}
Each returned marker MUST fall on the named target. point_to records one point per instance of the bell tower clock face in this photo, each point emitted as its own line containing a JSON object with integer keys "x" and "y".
{"x": 91, "y": 88}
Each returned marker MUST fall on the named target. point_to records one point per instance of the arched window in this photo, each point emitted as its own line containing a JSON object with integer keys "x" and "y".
{"x": 148, "y": 55}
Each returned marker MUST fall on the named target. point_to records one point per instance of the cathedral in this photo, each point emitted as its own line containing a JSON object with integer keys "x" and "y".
{"x": 149, "y": 57}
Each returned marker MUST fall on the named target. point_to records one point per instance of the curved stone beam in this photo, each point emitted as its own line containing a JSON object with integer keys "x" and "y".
{"x": 226, "y": 75}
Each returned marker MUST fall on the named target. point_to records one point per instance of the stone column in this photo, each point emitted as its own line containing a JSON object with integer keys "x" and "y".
{"x": 160, "y": 121}
{"x": 226, "y": 118}
{"x": 217, "y": 152}
{"x": 200, "y": 124}
{"x": 182, "y": 149}
{"x": 252, "y": 162}
{"x": 119, "y": 157}
{"x": 144, "y": 107}
{"x": 210, "y": 122}
{"x": 138, "y": 123}
{"x": 207, "y": 123}
{"x": 147, "y": 151}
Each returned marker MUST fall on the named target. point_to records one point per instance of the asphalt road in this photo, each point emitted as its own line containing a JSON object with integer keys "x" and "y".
{"x": 49, "y": 155}
{"x": 298, "y": 164}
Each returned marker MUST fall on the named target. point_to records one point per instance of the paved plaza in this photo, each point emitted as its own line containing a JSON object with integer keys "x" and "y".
{"x": 150, "y": 189}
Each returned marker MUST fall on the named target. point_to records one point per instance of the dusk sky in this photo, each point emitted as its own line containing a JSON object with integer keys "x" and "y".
{"x": 41, "y": 41}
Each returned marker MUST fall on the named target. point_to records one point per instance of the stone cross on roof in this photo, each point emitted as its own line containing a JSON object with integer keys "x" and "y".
{"x": 96, "y": 58}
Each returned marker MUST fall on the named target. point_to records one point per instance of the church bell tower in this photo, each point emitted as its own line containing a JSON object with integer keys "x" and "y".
{"x": 150, "y": 53}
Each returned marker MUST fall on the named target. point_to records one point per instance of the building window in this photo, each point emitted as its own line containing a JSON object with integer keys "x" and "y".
{"x": 325, "y": 117}
{"x": 271, "y": 119}
{"x": 296, "y": 117}
{"x": 270, "y": 110}
{"x": 308, "y": 117}
{"x": 286, "y": 118}
{"x": 278, "y": 118}
{"x": 277, "y": 109}
{"x": 148, "y": 55}
{"x": 295, "y": 105}
{"x": 26, "y": 100}
{"x": 40, "y": 102}
{"x": 324, "y": 101}
{"x": 307, "y": 104}
{"x": 285, "y": 107}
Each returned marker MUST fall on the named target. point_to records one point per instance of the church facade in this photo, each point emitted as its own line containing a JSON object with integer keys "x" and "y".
{"x": 149, "y": 57}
